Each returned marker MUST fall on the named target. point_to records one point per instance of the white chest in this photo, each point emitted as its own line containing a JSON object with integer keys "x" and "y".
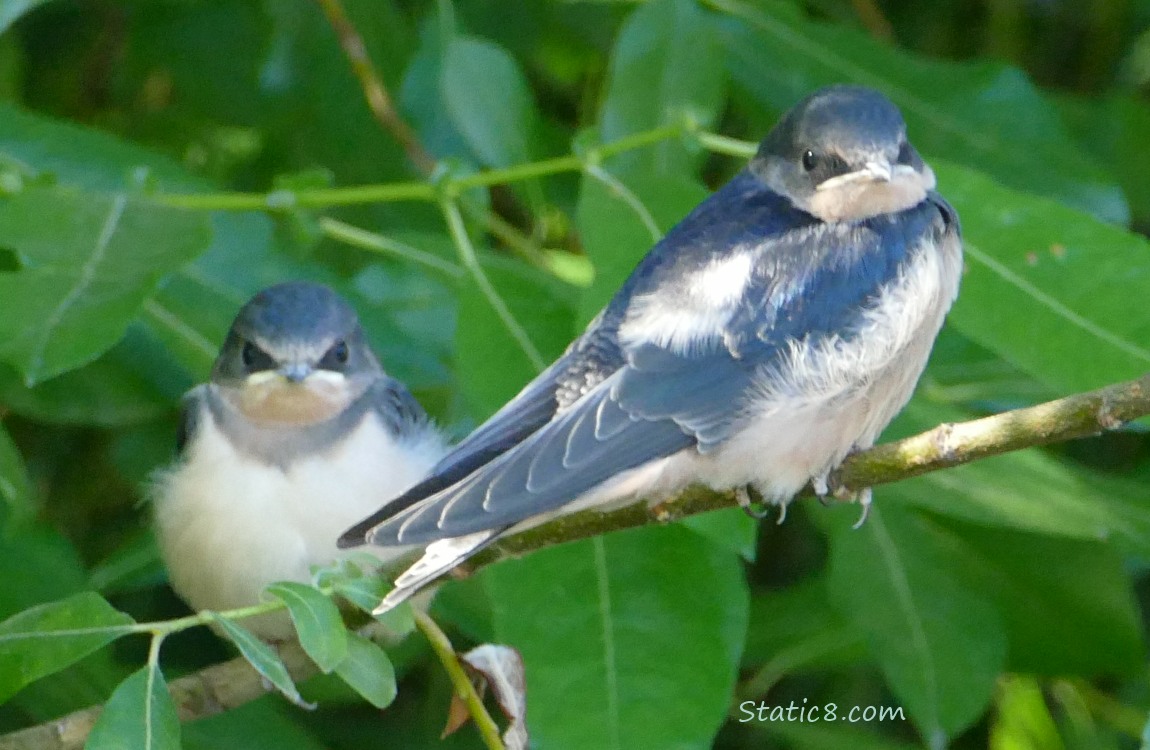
{"x": 228, "y": 525}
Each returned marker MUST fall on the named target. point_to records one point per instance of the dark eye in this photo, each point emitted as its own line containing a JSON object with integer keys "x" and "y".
{"x": 810, "y": 160}
{"x": 906, "y": 154}
{"x": 255, "y": 358}
{"x": 336, "y": 356}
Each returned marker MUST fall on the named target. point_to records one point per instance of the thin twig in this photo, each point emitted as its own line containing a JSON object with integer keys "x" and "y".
{"x": 374, "y": 91}
{"x": 464, "y": 689}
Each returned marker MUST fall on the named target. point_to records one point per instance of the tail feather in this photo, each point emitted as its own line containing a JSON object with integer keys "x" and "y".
{"x": 438, "y": 558}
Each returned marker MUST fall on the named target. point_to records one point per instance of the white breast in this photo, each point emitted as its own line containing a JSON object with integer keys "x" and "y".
{"x": 229, "y": 525}
{"x": 834, "y": 396}
{"x": 828, "y": 399}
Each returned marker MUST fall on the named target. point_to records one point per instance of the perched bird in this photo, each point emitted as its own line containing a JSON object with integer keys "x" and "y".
{"x": 777, "y": 328}
{"x": 297, "y": 435}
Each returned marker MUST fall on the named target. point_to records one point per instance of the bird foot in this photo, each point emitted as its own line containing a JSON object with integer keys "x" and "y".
{"x": 756, "y": 507}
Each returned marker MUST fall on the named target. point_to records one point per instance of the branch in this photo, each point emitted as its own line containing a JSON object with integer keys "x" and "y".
{"x": 207, "y": 692}
{"x": 947, "y": 445}
{"x": 224, "y": 686}
{"x": 374, "y": 91}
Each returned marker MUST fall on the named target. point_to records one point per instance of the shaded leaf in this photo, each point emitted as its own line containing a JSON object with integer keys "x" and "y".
{"x": 15, "y": 486}
{"x": 636, "y": 622}
{"x": 616, "y": 227}
{"x": 139, "y": 714}
{"x": 488, "y": 99}
{"x": 1045, "y": 283}
{"x": 317, "y": 623}
{"x": 88, "y": 262}
{"x": 49, "y": 637}
{"x": 667, "y": 65}
{"x": 495, "y": 363}
{"x": 262, "y": 658}
{"x": 940, "y": 644}
{"x": 368, "y": 670}
{"x": 796, "y": 628}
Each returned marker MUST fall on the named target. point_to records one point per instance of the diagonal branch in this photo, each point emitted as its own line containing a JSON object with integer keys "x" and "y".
{"x": 378, "y": 100}
{"x": 947, "y": 445}
{"x": 234, "y": 683}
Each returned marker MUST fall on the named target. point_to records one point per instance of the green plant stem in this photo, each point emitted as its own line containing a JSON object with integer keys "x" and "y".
{"x": 377, "y": 243}
{"x": 471, "y": 262}
{"x": 464, "y": 689}
{"x": 394, "y": 192}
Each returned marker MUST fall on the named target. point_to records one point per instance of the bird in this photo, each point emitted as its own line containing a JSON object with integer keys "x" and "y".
{"x": 777, "y": 328}
{"x": 293, "y": 438}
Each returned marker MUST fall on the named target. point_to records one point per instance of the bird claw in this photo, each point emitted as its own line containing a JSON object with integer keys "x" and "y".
{"x": 757, "y": 509}
{"x": 753, "y": 508}
{"x": 864, "y": 497}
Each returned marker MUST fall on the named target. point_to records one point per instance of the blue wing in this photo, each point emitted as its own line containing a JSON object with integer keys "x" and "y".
{"x": 660, "y": 401}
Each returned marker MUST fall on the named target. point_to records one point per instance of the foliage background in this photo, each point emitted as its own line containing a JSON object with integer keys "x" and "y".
{"x": 1000, "y": 604}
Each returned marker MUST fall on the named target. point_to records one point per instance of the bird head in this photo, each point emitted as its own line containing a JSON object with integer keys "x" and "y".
{"x": 295, "y": 355}
{"x": 842, "y": 154}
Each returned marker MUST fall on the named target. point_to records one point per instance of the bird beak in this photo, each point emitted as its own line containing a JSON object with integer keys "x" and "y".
{"x": 296, "y": 372}
{"x": 872, "y": 171}
{"x": 877, "y": 170}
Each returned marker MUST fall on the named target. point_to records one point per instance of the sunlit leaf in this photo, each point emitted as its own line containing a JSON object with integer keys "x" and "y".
{"x": 49, "y": 637}
{"x": 140, "y": 714}
{"x": 261, "y": 657}
{"x": 317, "y": 623}
{"x": 368, "y": 670}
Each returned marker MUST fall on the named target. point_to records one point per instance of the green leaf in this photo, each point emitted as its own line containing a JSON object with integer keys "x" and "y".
{"x": 797, "y": 628}
{"x": 1028, "y": 491}
{"x": 15, "y": 486}
{"x": 496, "y": 365}
{"x": 261, "y": 657}
{"x": 828, "y": 734}
{"x": 636, "y": 622}
{"x": 730, "y": 528}
{"x": 368, "y": 671}
{"x": 940, "y": 644}
{"x": 34, "y": 146}
{"x": 618, "y": 226}
{"x": 139, "y": 715}
{"x": 87, "y": 263}
{"x": 112, "y": 391}
{"x": 1048, "y": 591}
{"x": 11, "y": 10}
{"x": 1113, "y": 129}
{"x": 48, "y": 637}
{"x": 488, "y": 99}
{"x": 317, "y": 623}
{"x": 953, "y": 110}
{"x": 667, "y": 65}
{"x": 1045, "y": 283}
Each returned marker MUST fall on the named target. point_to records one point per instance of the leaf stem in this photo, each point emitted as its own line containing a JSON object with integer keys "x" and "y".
{"x": 464, "y": 689}
{"x": 471, "y": 262}
{"x": 378, "y": 243}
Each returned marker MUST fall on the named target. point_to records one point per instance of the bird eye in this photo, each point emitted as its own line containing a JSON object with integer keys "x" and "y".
{"x": 336, "y": 356}
{"x": 905, "y": 153}
{"x": 810, "y": 160}
{"x": 255, "y": 358}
